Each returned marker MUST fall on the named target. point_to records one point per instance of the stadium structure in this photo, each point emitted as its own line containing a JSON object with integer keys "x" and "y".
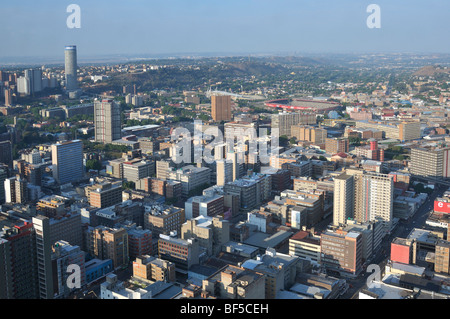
{"x": 316, "y": 106}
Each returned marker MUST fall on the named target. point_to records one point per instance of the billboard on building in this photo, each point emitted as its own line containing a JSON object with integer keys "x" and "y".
{"x": 441, "y": 207}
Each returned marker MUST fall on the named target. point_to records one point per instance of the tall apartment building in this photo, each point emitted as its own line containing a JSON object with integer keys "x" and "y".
{"x": 104, "y": 195}
{"x": 283, "y": 121}
{"x": 336, "y": 145}
{"x": 30, "y": 82}
{"x": 341, "y": 251}
{"x": 23, "y": 86}
{"x": 16, "y": 190}
{"x": 375, "y": 197}
{"x": 344, "y": 198}
{"x": 431, "y": 163}
{"x": 108, "y": 243}
{"x": 211, "y": 232}
{"x": 107, "y": 121}
{"x": 312, "y": 134}
{"x": 44, "y": 256}
{"x": 221, "y": 108}
{"x": 152, "y": 268}
{"x": 67, "y": 161}
{"x": 364, "y": 196}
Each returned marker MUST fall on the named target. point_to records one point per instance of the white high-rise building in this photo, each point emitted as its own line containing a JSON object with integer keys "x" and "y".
{"x": 23, "y": 85}
{"x": 364, "y": 197}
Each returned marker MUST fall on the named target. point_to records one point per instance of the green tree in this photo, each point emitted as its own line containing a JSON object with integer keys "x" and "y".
{"x": 93, "y": 164}
{"x": 283, "y": 140}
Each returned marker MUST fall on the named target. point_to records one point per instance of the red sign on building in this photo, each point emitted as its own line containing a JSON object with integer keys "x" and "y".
{"x": 441, "y": 207}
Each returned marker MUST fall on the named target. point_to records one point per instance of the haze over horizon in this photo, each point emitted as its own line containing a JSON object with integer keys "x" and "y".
{"x": 175, "y": 27}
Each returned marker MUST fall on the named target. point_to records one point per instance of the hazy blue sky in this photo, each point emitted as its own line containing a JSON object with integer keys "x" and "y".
{"x": 38, "y": 28}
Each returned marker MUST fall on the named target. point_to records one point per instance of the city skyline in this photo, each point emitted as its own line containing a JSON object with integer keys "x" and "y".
{"x": 197, "y": 28}
{"x": 275, "y": 161}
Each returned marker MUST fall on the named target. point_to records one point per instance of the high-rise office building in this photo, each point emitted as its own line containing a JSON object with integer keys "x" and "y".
{"x": 431, "y": 163}
{"x": 107, "y": 121}
{"x": 221, "y": 108}
{"x": 70, "y": 64}
{"x": 67, "y": 161}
